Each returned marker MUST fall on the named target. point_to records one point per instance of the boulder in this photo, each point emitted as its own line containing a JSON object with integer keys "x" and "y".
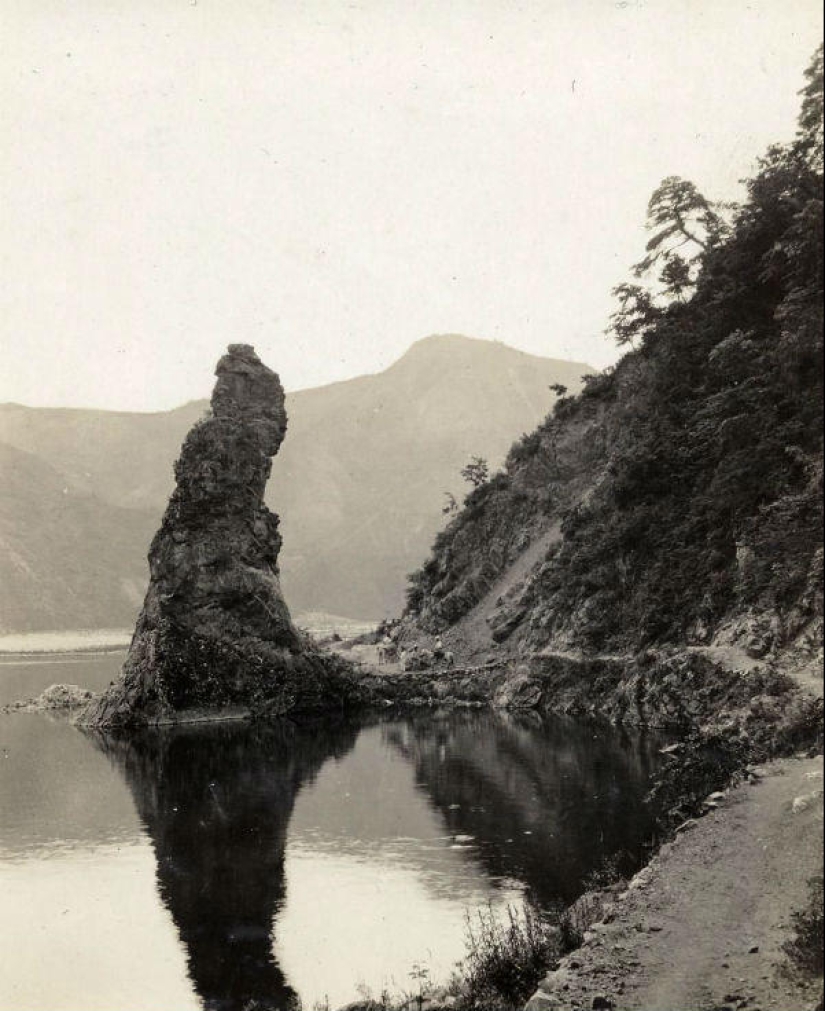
{"x": 58, "y": 696}
{"x": 518, "y": 691}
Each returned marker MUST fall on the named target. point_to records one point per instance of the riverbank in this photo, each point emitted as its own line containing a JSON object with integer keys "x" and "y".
{"x": 98, "y": 640}
{"x": 703, "y": 925}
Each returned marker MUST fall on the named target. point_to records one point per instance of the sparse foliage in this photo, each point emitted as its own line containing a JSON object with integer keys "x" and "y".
{"x": 685, "y": 226}
{"x": 681, "y": 218}
{"x": 420, "y": 976}
{"x": 805, "y": 948}
{"x": 451, "y": 505}
{"x": 476, "y": 471}
{"x": 636, "y": 314}
{"x": 507, "y": 958}
{"x": 810, "y": 117}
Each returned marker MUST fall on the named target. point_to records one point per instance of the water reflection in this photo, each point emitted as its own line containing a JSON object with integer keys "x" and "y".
{"x": 544, "y": 801}
{"x": 421, "y": 811}
{"x": 216, "y": 803}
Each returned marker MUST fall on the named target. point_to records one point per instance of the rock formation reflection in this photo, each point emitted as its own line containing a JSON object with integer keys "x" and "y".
{"x": 538, "y": 802}
{"x": 216, "y": 802}
{"x": 544, "y": 801}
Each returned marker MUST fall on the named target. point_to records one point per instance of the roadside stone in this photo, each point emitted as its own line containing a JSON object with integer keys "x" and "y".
{"x": 639, "y": 880}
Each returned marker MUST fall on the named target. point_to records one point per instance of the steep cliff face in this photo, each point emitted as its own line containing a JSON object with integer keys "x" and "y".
{"x": 484, "y": 560}
{"x": 678, "y": 498}
{"x": 629, "y": 519}
{"x": 215, "y": 630}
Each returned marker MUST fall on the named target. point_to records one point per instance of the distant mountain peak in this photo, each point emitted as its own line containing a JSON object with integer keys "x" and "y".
{"x": 440, "y": 345}
{"x": 359, "y": 484}
{"x": 444, "y": 342}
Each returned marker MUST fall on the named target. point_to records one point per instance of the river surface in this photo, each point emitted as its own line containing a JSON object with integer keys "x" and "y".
{"x": 210, "y": 867}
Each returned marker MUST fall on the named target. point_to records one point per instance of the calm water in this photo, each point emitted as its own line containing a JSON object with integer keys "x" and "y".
{"x": 202, "y": 868}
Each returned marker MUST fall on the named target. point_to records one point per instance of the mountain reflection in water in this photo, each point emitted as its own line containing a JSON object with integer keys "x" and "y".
{"x": 216, "y": 802}
{"x": 521, "y": 802}
{"x": 547, "y": 801}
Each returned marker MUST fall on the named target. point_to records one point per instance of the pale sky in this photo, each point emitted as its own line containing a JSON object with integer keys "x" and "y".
{"x": 332, "y": 181}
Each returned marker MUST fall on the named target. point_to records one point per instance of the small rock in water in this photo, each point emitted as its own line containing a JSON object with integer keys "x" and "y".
{"x": 55, "y": 697}
{"x": 63, "y": 696}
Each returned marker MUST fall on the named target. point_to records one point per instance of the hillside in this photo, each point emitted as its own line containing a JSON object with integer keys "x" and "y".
{"x": 359, "y": 484}
{"x": 92, "y": 550}
{"x": 678, "y": 498}
{"x": 652, "y": 554}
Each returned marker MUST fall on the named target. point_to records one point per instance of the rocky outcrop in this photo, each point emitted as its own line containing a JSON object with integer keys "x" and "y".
{"x": 215, "y": 631}
{"x": 54, "y": 697}
{"x": 678, "y": 691}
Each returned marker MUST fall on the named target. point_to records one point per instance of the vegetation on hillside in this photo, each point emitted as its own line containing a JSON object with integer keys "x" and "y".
{"x": 701, "y": 451}
{"x": 805, "y": 948}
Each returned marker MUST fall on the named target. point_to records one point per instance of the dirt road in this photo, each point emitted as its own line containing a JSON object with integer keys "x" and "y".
{"x": 702, "y": 926}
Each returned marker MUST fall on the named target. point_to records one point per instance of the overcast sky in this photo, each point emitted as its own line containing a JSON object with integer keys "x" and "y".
{"x": 332, "y": 181}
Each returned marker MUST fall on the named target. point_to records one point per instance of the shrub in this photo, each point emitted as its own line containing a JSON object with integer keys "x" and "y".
{"x": 776, "y": 723}
{"x": 705, "y": 762}
{"x": 781, "y": 721}
{"x": 528, "y": 446}
{"x": 804, "y": 949}
{"x": 507, "y": 959}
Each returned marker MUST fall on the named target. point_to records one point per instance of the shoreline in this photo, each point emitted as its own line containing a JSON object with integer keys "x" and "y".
{"x": 70, "y": 641}
{"x": 703, "y": 923}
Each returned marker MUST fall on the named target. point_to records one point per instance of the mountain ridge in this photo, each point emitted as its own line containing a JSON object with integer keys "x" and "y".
{"x": 359, "y": 482}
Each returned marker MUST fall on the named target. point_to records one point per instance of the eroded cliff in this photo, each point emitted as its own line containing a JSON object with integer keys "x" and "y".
{"x": 215, "y": 631}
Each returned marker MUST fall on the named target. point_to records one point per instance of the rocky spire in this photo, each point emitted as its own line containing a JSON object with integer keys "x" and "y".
{"x": 215, "y": 631}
